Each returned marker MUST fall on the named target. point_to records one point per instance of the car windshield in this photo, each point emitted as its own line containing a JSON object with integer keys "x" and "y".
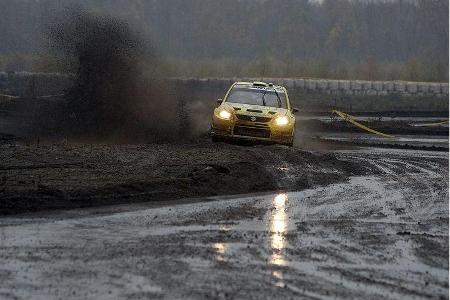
{"x": 258, "y": 96}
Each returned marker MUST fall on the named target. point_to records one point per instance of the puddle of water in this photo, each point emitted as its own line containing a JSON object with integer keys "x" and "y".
{"x": 418, "y": 140}
{"x": 356, "y": 197}
{"x": 374, "y": 118}
{"x": 277, "y": 225}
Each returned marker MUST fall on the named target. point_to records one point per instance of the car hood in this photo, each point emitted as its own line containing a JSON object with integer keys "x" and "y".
{"x": 259, "y": 110}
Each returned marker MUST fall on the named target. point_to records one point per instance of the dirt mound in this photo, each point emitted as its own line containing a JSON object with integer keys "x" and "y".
{"x": 39, "y": 177}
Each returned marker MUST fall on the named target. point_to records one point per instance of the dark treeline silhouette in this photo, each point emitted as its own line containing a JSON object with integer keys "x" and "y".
{"x": 396, "y": 39}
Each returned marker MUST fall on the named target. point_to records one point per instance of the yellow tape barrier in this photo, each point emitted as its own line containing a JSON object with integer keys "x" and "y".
{"x": 431, "y": 124}
{"x": 350, "y": 119}
{"x": 38, "y": 97}
{"x": 8, "y": 96}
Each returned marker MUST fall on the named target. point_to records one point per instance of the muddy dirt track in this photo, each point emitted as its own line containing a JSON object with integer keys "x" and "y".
{"x": 39, "y": 177}
{"x": 382, "y": 233}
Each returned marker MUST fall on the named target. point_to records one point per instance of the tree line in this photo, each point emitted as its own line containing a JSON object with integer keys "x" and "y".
{"x": 349, "y": 39}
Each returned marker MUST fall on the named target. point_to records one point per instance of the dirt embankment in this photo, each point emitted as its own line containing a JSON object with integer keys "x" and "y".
{"x": 39, "y": 177}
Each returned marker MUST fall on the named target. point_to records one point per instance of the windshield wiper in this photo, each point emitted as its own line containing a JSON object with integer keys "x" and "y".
{"x": 263, "y": 99}
{"x": 279, "y": 99}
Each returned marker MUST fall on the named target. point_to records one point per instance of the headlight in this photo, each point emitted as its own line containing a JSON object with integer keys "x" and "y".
{"x": 224, "y": 115}
{"x": 282, "y": 121}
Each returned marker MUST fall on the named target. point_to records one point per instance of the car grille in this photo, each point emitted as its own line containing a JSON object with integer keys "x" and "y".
{"x": 252, "y": 131}
{"x": 256, "y": 119}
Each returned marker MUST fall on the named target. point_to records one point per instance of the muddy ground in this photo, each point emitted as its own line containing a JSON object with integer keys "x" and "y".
{"x": 325, "y": 219}
{"x": 62, "y": 175}
{"x": 40, "y": 174}
{"x": 378, "y": 236}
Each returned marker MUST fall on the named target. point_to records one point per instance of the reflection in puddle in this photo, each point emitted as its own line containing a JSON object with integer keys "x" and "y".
{"x": 279, "y": 276}
{"x": 220, "y": 247}
{"x": 278, "y": 226}
{"x": 220, "y": 250}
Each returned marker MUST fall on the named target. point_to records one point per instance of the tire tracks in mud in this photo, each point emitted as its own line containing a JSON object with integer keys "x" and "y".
{"x": 283, "y": 172}
{"x": 375, "y": 251}
{"x": 416, "y": 175}
{"x": 294, "y": 170}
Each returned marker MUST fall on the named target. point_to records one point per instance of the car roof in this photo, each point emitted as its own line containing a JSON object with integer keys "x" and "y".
{"x": 259, "y": 84}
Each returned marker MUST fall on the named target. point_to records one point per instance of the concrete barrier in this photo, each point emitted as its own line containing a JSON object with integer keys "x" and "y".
{"x": 300, "y": 83}
{"x": 435, "y": 88}
{"x": 333, "y": 85}
{"x": 399, "y": 87}
{"x": 289, "y": 83}
{"x": 423, "y": 88}
{"x": 377, "y": 86}
{"x": 310, "y": 84}
{"x": 411, "y": 87}
{"x": 356, "y": 85}
{"x": 388, "y": 86}
{"x": 444, "y": 88}
{"x": 322, "y": 85}
{"x": 37, "y": 84}
{"x": 366, "y": 85}
{"x": 344, "y": 85}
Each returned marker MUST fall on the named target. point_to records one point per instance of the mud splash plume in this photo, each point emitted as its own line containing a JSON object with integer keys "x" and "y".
{"x": 112, "y": 99}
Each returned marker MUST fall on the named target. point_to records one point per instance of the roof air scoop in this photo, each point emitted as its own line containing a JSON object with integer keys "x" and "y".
{"x": 260, "y": 84}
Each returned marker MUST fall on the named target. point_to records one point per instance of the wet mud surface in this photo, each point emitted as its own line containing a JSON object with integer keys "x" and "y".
{"x": 37, "y": 177}
{"x": 378, "y": 235}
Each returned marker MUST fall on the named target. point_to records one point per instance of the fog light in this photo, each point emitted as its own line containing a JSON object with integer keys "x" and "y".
{"x": 224, "y": 115}
{"x": 282, "y": 121}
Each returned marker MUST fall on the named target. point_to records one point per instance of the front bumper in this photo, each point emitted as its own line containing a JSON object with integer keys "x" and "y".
{"x": 252, "y": 131}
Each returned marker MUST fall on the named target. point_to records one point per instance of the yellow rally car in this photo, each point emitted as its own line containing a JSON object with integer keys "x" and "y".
{"x": 255, "y": 111}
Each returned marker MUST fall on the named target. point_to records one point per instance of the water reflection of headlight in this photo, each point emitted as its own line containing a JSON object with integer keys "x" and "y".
{"x": 280, "y": 200}
{"x": 220, "y": 249}
{"x": 278, "y": 226}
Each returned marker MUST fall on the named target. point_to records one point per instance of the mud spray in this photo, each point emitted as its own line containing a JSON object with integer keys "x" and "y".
{"x": 118, "y": 95}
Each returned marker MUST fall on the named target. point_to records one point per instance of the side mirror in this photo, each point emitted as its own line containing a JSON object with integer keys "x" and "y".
{"x": 219, "y": 101}
{"x": 295, "y": 110}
